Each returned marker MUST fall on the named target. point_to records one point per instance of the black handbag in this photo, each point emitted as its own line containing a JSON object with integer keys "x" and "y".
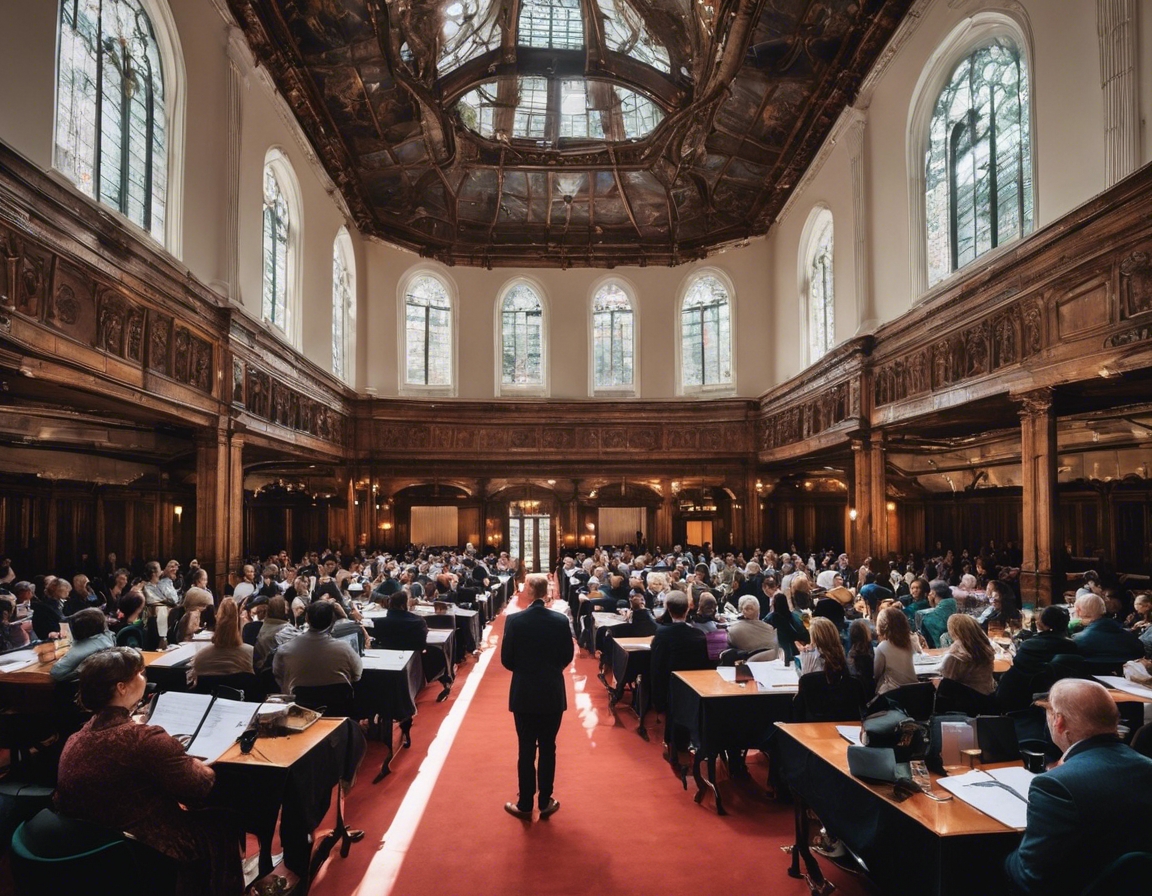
{"x": 897, "y": 730}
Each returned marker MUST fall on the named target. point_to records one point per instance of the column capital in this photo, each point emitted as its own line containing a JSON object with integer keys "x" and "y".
{"x": 1035, "y": 403}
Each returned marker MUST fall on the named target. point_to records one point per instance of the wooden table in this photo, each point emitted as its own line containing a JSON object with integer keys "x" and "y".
{"x": 920, "y": 845}
{"x": 721, "y": 715}
{"x": 999, "y": 665}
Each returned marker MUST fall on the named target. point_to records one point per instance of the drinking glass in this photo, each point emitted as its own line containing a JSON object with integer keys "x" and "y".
{"x": 920, "y": 775}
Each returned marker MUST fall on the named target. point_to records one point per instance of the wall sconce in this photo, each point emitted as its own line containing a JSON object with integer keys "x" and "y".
{"x": 591, "y": 527}
{"x": 385, "y": 526}
{"x": 356, "y": 503}
{"x": 852, "y": 514}
{"x": 179, "y": 511}
{"x": 891, "y": 506}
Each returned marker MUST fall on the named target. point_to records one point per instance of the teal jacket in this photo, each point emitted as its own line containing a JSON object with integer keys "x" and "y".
{"x": 935, "y": 622}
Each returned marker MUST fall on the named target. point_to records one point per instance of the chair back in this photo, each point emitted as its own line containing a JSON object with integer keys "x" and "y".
{"x": 330, "y": 699}
{"x": 130, "y": 636}
{"x": 917, "y": 700}
{"x": 821, "y": 700}
{"x": 247, "y": 684}
{"x": 952, "y": 696}
{"x": 1142, "y": 740}
{"x": 717, "y": 644}
{"x": 1128, "y": 874}
{"x": 440, "y": 620}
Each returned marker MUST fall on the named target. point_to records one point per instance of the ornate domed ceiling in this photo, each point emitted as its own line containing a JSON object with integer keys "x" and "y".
{"x": 567, "y": 132}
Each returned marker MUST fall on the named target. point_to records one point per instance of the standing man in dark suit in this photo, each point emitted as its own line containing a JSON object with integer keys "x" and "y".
{"x": 537, "y": 648}
{"x": 1092, "y": 807}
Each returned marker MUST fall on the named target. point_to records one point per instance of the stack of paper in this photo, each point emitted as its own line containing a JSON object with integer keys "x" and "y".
{"x": 181, "y": 654}
{"x": 18, "y": 659}
{"x": 775, "y": 676}
{"x": 216, "y": 724}
{"x": 1001, "y": 793}
{"x": 1123, "y": 684}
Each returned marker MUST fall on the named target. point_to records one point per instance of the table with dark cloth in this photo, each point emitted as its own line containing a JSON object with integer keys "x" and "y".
{"x": 469, "y": 633}
{"x": 387, "y": 691}
{"x": 631, "y": 660}
{"x": 442, "y": 640}
{"x": 921, "y": 846}
{"x": 291, "y": 777}
{"x": 721, "y": 716}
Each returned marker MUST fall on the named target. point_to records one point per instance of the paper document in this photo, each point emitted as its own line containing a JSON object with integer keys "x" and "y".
{"x": 775, "y": 676}
{"x": 728, "y": 673}
{"x": 850, "y": 733}
{"x": 17, "y": 660}
{"x": 181, "y": 654}
{"x": 1000, "y": 793}
{"x": 1123, "y": 684}
{"x": 386, "y": 660}
{"x": 216, "y": 729}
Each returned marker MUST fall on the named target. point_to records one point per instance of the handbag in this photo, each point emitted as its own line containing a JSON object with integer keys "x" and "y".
{"x": 897, "y": 730}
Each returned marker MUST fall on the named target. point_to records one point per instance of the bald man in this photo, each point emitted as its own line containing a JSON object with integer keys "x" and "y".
{"x": 1091, "y": 808}
{"x": 1103, "y": 640}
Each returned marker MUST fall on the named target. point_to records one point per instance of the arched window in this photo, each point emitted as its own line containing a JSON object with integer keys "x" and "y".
{"x": 978, "y": 163}
{"x": 706, "y": 335}
{"x": 613, "y": 339}
{"x": 522, "y": 345}
{"x": 274, "y": 304}
{"x": 427, "y": 333}
{"x": 343, "y": 302}
{"x": 119, "y": 109}
{"x": 819, "y": 287}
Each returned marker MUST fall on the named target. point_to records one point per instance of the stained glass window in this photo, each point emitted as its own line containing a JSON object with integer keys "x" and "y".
{"x": 821, "y": 292}
{"x": 612, "y": 338}
{"x": 341, "y": 303}
{"x": 551, "y": 24}
{"x": 522, "y": 337}
{"x": 428, "y": 331}
{"x": 274, "y": 304}
{"x": 110, "y": 113}
{"x": 706, "y": 334}
{"x": 978, "y": 167}
{"x": 471, "y": 28}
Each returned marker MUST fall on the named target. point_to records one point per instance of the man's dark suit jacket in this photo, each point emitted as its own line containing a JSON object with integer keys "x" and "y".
{"x": 1032, "y": 654}
{"x": 1082, "y": 816}
{"x": 1107, "y": 641}
{"x": 537, "y": 648}
{"x": 400, "y": 630}
{"x": 675, "y": 647}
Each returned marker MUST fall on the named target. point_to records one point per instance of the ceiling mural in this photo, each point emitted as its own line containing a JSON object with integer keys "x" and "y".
{"x": 567, "y": 132}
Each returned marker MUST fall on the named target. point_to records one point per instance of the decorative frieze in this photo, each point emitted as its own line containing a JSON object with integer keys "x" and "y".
{"x": 266, "y": 397}
{"x": 810, "y": 416}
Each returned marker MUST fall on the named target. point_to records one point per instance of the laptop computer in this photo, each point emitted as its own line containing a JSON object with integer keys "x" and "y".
{"x": 877, "y": 764}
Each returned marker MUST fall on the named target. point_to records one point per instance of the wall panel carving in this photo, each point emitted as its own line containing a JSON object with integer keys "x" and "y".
{"x": 268, "y": 398}
{"x": 810, "y": 416}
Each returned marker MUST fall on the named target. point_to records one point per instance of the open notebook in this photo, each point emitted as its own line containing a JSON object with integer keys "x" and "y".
{"x": 213, "y": 725}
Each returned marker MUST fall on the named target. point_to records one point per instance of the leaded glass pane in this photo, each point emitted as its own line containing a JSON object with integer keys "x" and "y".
{"x": 640, "y": 115}
{"x": 110, "y": 113}
{"x": 612, "y": 338}
{"x": 522, "y": 337}
{"x": 428, "y": 330}
{"x": 978, "y": 183}
{"x": 274, "y": 301}
{"x": 576, "y": 117}
{"x": 471, "y": 28}
{"x": 625, "y": 32}
{"x": 551, "y": 24}
{"x": 705, "y": 334}
{"x": 821, "y": 293}
{"x": 531, "y": 118}
{"x": 341, "y": 302}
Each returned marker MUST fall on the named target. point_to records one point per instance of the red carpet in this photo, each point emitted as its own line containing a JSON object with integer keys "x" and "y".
{"x": 625, "y": 824}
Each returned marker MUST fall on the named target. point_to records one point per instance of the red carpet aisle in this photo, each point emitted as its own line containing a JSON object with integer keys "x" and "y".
{"x": 625, "y": 825}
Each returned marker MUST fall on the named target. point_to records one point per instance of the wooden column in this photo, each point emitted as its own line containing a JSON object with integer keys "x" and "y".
{"x": 663, "y": 534}
{"x": 860, "y": 501}
{"x": 753, "y": 518}
{"x": 235, "y": 504}
{"x": 1039, "y": 458}
{"x": 878, "y": 497}
{"x": 212, "y": 505}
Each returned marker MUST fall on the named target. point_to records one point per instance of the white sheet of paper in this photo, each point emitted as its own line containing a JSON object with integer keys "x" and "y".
{"x": 17, "y": 660}
{"x": 728, "y": 673}
{"x": 775, "y": 676}
{"x": 850, "y": 733}
{"x": 1123, "y": 684}
{"x": 181, "y": 654}
{"x": 386, "y": 660}
{"x": 179, "y": 713}
{"x": 988, "y": 794}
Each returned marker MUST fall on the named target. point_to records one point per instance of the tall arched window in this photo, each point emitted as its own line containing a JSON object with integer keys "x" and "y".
{"x": 119, "y": 104}
{"x": 613, "y": 339}
{"x": 274, "y": 303}
{"x": 978, "y": 164}
{"x": 819, "y": 286}
{"x": 706, "y": 335}
{"x": 522, "y": 344}
{"x": 343, "y": 302}
{"x": 427, "y": 333}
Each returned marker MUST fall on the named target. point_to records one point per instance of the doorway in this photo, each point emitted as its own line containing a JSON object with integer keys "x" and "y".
{"x": 530, "y": 539}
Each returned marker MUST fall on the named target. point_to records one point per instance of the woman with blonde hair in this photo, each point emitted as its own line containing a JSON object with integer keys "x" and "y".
{"x": 970, "y": 658}
{"x": 227, "y": 654}
{"x": 892, "y": 665}
{"x": 825, "y": 652}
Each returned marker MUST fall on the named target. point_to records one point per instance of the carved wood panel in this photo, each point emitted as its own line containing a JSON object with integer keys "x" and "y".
{"x": 268, "y": 398}
{"x": 810, "y": 416}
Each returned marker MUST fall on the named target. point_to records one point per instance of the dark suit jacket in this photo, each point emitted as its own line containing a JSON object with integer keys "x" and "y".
{"x": 1082, "y": 816}
{"x": 1107, "y": 641}
{"x": 1032, "y": 654}
{"x": 401, "y": 630}
{"x": 46, "y": 617}
{"x": 675, "y": 647}
{"x": 537, "y": 647}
